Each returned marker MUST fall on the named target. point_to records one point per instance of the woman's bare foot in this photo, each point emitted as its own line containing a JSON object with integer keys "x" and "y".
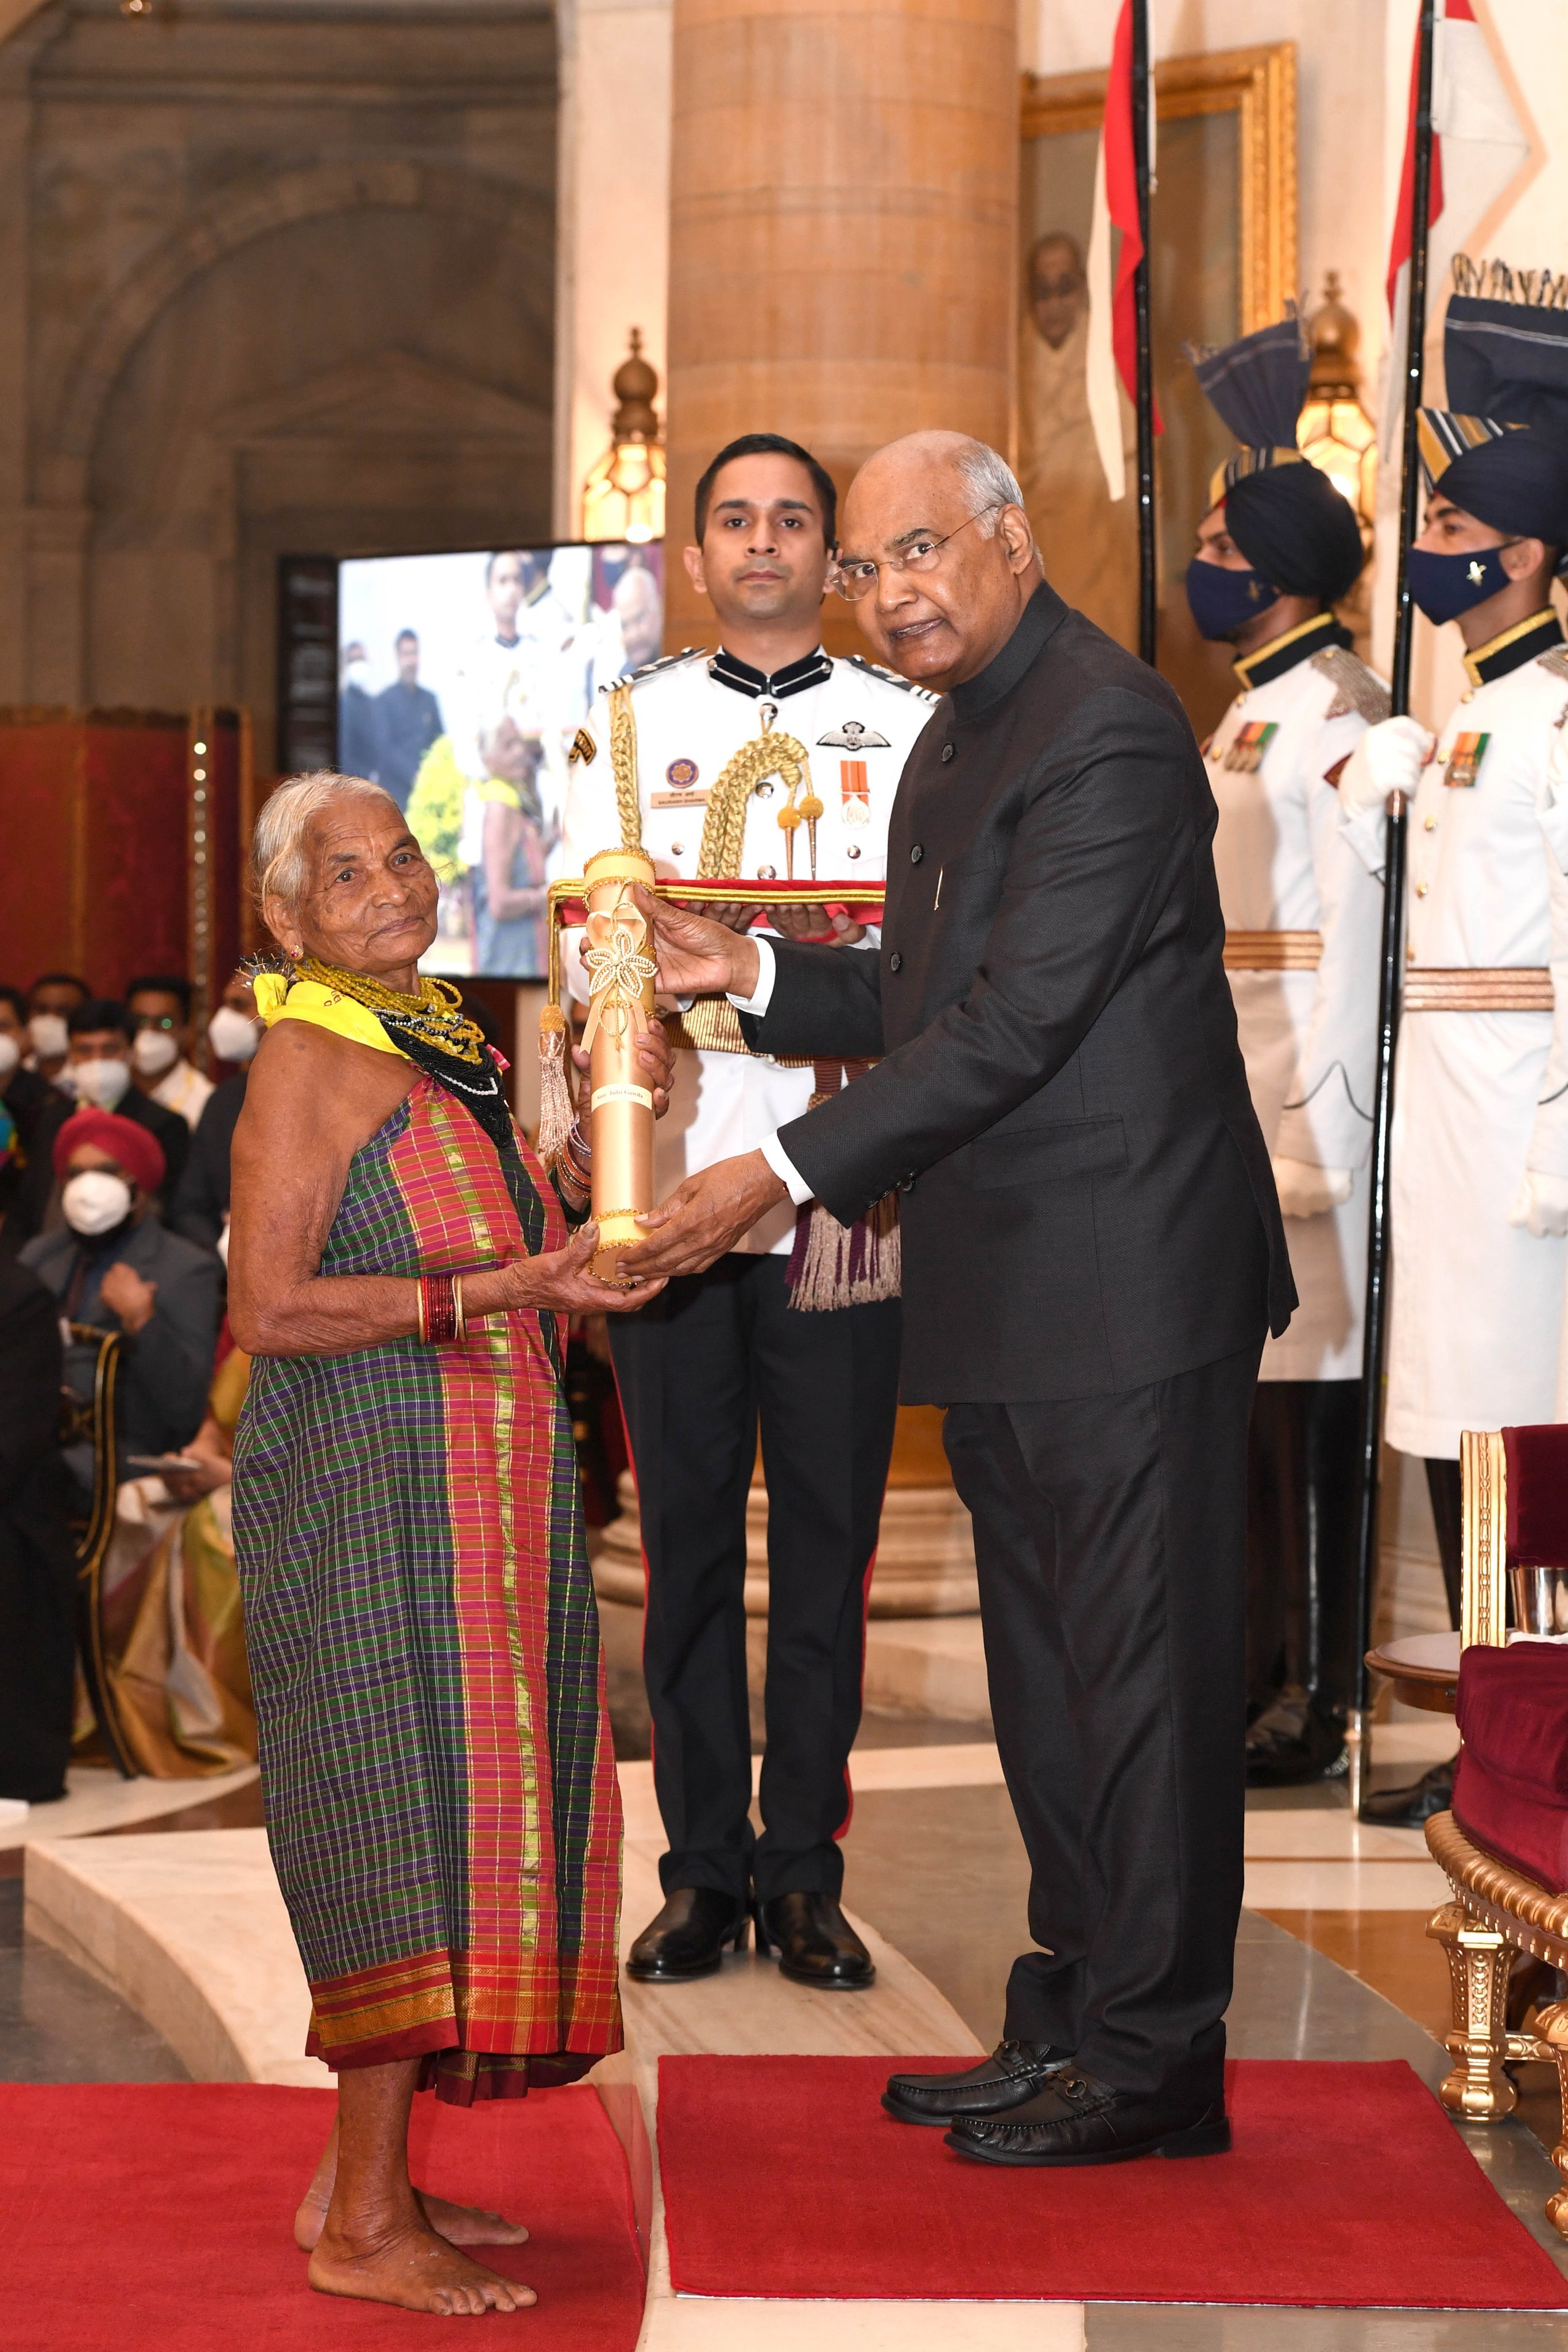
{"x": 460, "y": 2225}
{"x": 416, "y": 2269}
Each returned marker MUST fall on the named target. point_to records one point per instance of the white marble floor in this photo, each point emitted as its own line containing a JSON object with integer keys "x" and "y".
{"x": 96, "y": 1798}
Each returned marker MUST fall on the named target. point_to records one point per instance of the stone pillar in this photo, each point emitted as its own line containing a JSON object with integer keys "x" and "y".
{"x": 843, "y": 208}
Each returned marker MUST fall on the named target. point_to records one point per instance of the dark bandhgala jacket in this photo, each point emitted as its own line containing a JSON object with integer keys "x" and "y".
{"x": 1087, "y": 1200}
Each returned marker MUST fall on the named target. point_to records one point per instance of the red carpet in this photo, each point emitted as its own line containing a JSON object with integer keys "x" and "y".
{"x": 158, "y": 2218}
{"x": 1347, "y": 2186}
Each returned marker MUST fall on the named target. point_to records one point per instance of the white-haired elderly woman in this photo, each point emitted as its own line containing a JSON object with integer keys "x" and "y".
{"x": 440, "y": 1787}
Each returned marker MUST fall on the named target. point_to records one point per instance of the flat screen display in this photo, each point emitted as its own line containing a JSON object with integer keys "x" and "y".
{"x": 462, "y": 681}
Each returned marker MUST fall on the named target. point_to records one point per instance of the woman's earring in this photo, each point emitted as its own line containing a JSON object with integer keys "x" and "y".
{"x": 298, "y": 954}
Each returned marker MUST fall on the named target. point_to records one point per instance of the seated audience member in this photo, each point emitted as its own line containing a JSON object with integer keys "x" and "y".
{"x": 26, "y": 1100}
{"x": 115, "y": 1267}
{"x": 161, "y": 1064}
{"x": 52, "y": 999}
{"x": 200, "y": 1205}
{"x": 97, "y": 1075}
{"x": 38, "y": 1565}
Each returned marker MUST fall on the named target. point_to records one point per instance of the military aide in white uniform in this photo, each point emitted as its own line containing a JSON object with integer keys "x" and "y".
{"x": 1478, "y": 1206}
{"x": 723, "y": 1351}
{"x": 1304, "y": 920}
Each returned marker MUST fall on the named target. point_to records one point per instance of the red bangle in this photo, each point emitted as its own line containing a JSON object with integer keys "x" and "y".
{"x": 438, "y": 1295}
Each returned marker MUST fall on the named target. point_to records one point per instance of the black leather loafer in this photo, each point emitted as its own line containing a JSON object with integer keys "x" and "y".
{"x": 1013, "y": 2072}
{"x": 1077, "y": 2119}
{"x": 1293, "y": 1743}
{"x": 1412, "y": 1807}
{"x": 689, "y": 1936}
{"x": 815, "y": 1943}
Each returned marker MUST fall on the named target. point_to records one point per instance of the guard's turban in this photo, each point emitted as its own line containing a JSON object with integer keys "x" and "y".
{"x": 1500, "y": 448}
{"x": 138, "y": 1152}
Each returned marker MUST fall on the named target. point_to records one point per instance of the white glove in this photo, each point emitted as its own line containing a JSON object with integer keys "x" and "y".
{"x": 1389, "y": 758}
{"x": 1542, "y": 1204}
{"x": 1306, "y": 1191}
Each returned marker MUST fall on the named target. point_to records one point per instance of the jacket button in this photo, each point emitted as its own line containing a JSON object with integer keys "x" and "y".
{"x": 896, "y": 961}
{"x": 946, "y": 751}
{"x": 917, "y": 854}
{"x": 906, "y": 1184}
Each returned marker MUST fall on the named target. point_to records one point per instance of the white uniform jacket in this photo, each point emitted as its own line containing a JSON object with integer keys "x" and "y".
{"x": 1477, "y": 1302}
{"x": 1291, "y": 886}
{"x": 857, "y": 724}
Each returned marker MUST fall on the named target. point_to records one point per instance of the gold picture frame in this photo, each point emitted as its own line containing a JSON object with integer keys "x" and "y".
{"x": 1258, "y": 86}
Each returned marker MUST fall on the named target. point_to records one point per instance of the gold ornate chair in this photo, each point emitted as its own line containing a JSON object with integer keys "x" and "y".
{"x": 1495, "y": 1911}
{"x": 92, "y": 1421}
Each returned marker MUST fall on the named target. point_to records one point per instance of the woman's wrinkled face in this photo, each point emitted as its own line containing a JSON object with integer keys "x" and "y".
{"x": 369, "y": 900}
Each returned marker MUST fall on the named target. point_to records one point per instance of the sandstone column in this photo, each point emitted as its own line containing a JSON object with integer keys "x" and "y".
{"x": 843, "y": 201}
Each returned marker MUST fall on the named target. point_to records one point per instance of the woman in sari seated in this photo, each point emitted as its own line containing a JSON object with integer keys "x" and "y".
{"x": 440, "y": 1790}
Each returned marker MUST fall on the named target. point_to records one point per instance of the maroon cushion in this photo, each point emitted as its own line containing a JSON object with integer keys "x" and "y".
{"x": 1537, "y": 1495}
{"x": 1522, "y": 1831}
{"x": 1513, "y": 1714}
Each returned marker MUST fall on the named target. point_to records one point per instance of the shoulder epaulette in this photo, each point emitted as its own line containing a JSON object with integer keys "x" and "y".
{"x": 651, "y": 669}
{"x": 888, "y": 676}
{"x": 1356, "y": 687}
{"x": 1556, "y": 661}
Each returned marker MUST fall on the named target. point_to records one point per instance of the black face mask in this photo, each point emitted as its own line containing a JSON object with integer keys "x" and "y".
{"x": 1223, "y": 601}
{"x": 1444, "y": 586}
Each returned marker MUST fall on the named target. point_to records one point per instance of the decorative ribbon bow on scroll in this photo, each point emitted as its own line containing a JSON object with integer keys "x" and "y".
{"x": 617, "y": 969}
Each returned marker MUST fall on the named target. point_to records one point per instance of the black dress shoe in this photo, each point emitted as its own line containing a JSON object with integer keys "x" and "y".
{"x": 688, "y": 1937}
{"x": 815, "y": 1943}
{"x": 1294, "y": 1742}
{"x": 1409, "y": 1809}
{"x": 1077, "y": 2119}
{"x": 1012, "y": 2073}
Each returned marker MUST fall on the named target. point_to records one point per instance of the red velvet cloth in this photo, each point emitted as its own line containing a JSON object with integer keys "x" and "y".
{"x": 1347, "y": 2187}
{"x": 1527, "y": 1832}
{"x": 1512, "y": 1714}
{"x": 1537, "y": 1463}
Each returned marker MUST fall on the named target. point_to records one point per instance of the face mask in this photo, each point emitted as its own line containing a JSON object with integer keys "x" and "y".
{"x": 103, "y": 1082}
{"x": 1223, "y": 602}
{"x": 153, "y": 1052}
{"x": 49, "y": 1036}
{"x": 10, "y": 1054}
{"x": 1444, "y": 586}
{"x": 94, "y": 1201}
{"x": 233, "y": 1035}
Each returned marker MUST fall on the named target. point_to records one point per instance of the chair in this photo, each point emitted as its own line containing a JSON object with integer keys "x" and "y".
{"x": 92, "y": 1421}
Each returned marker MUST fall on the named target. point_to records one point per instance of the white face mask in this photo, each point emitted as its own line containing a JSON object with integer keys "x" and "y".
{"x": 94, "y": 1201}
{"x": 235, "y": 1035}
{"x": 103, "y": 1082}
{"x": 224, "y": 1243}
{"x": 152, "y": 1052}
{"x": 49, "y": 1036}
{"x": 10, "y": 1054}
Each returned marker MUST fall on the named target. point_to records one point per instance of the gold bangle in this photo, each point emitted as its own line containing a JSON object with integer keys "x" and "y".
{"x": 419, "y": 1310}
{"x": 462, "y": 1331}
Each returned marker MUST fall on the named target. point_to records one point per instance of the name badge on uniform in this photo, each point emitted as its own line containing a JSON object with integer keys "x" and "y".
{"x": 855, "y": 791}
{"x": 1465, "y": 760}
{"x": 681, "y": 775}
{"x": 1244, "y": 752}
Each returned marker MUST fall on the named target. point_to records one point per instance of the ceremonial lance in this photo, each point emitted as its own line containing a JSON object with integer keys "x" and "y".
{"x": 1375, "y": 1329}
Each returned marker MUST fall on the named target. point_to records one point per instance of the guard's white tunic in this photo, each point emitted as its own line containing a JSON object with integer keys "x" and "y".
{"x": 1477, "y": 1303}
{"x": 1309, "y": 1038}
{"x": 724, "y": 1104}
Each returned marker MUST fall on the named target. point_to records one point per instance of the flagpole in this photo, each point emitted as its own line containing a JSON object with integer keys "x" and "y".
{"x": 1144, "y": 402}
{"x": 1374, "y": 1340}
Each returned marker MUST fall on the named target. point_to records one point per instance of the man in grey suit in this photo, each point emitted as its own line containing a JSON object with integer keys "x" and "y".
{"x": 1091, "y": 1253}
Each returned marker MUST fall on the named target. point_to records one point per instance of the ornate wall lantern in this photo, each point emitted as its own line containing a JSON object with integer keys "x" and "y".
{"x": 623, "y": 496}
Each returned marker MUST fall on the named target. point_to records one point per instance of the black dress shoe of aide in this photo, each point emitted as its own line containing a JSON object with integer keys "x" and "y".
{"x": 689, "y": 1936}
{"x": 1013, "y": 2072}
{"x": 815, "y": 1943}
{"x": 1077, "y": 2119}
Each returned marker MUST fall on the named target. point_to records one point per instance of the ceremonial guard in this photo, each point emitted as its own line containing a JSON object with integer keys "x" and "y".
{"x": 1480, "y": 1203}
{"x": 1277, "y": 551}
{"x": 764, "y": 764}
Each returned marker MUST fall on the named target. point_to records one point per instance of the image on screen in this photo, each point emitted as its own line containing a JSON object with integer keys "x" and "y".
{"x": 462, "y": 682}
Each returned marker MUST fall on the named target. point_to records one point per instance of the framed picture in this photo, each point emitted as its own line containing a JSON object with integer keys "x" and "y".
{"x": 1222, "y": 261}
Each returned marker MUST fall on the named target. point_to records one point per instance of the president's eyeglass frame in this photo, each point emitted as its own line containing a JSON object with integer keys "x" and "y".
{"x": 855, "y": 581}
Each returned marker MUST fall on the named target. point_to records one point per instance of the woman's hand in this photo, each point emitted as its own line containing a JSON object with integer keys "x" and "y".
{"x": 657, "y": 1056}
{"x": 562, "y": 1281}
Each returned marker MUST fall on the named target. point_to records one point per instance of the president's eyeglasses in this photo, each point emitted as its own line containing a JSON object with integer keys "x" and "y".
{"x": 858, "y": 577}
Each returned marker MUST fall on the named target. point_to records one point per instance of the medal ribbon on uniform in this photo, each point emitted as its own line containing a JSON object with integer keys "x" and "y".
{"x": 1465, "y": 760}
{"x": 1244, "y": 752}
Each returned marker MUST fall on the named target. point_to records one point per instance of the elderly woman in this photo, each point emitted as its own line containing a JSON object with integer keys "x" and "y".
{"x": 441, "y": 1793}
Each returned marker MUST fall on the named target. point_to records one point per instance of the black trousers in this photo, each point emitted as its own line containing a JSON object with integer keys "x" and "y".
{"x": 715, "y": 1356}
{"x": 1449, "y": 1520}
{"x": 1110, "y": 1535}
{"x": 1302, "y": 1466}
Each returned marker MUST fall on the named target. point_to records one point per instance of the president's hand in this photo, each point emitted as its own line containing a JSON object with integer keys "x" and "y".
{"x": 697, "y": 958}
{"x": 703, "y": 1217}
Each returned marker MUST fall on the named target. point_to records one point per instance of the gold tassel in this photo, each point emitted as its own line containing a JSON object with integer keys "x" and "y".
{"x": 555, "y": 1108}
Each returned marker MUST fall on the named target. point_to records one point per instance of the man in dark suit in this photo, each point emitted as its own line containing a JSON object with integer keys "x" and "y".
{"x": 407, "y": 722}
{"x": 37, "y": 1567}
{"x": 1091, "y": 1253}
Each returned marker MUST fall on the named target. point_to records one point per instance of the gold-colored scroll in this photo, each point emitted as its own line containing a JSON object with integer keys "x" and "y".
{"x": 617, "y": 952}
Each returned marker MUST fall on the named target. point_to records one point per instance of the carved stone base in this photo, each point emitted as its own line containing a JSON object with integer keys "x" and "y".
{"x": 925, "y": 1561}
